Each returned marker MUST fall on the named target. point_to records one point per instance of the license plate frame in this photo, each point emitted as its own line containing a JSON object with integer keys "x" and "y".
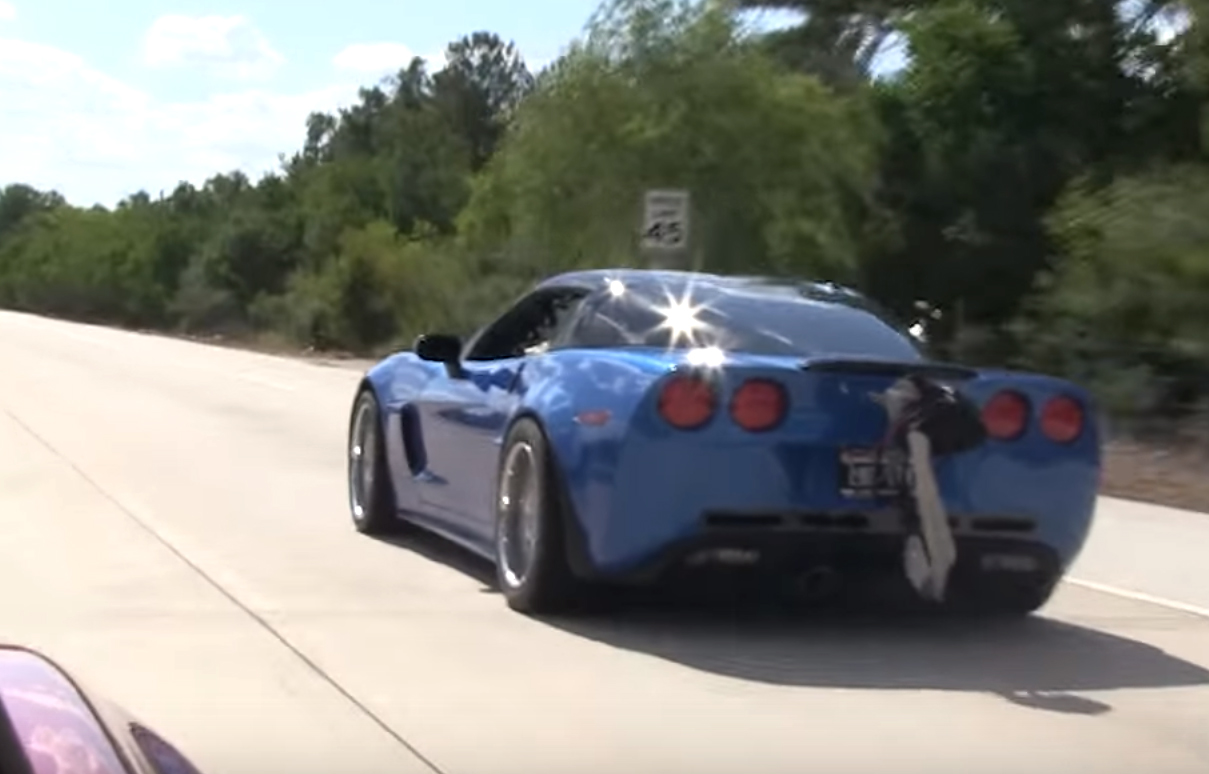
{"x": 866, "y": 474}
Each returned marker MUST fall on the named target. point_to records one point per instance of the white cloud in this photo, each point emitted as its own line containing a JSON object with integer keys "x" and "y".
{"x": 380, "y": 59}
{"x": 8, "y": 11}
{"x": 373, "y": 57}
{"x": 94, "y": 138}
{"x": 65, "y": 125}
{"x": 229, "y": 46}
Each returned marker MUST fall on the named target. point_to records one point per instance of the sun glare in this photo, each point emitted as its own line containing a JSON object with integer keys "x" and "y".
{"x": 706, "y": 357}
{"x": 681, "y": 320}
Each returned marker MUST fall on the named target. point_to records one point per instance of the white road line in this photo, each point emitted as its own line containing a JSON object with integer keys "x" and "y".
{"x": 1139, "y": 596}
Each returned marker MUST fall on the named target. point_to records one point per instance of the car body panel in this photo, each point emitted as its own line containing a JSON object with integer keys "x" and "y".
{"x": 663, "y": 481}
{"x": 56, "y": 720}
{"x": 637, "y": 486}
{"x": 51, "y": 717}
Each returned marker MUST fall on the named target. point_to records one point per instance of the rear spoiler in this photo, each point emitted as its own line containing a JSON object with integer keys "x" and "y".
{"x": 889, "y": 368}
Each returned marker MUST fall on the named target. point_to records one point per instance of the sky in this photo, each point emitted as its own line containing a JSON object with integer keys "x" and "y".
{"x": 99, "y": 100}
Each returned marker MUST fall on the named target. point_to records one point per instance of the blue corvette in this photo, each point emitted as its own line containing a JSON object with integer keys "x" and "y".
{"x": 627, "y": 426}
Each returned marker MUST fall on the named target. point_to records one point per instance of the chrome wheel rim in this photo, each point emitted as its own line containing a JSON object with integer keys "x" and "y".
{"x": 519, "y": 512}
{"x": 362, "y": 457}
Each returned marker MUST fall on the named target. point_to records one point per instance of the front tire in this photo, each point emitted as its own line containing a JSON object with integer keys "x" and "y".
{"x": 530, "y": 552}
{"x": 371, "y": 499}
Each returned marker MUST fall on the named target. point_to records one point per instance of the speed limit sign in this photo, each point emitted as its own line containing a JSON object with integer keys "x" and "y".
{"x": 665, "y": 220}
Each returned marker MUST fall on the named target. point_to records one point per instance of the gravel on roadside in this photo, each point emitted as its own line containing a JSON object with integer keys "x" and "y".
{"x": 1153, "y": 474}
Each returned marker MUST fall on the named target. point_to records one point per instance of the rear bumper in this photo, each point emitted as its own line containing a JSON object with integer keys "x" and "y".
{"x": 780, "y": 555}
{"x": 642, "y": 506}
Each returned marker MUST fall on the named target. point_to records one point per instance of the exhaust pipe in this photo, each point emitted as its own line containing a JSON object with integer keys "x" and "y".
{"x": 819, "y": 583}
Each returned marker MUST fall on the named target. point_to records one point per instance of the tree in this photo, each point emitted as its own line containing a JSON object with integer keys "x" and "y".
{"x": 482, "y": 83}
{"x": 662, "y": 95}
{"x": 1003, "y": 104}
{"x": 1126, "y": 310}
{"x": 838, "y": 40}
{"x": 19, "y": 202}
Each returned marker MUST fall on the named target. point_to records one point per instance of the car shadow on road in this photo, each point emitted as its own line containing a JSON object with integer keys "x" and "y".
{"x": 437, "y": 549}
{"x": 1038, "y": 663}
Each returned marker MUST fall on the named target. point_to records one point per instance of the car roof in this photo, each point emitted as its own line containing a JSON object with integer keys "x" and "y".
{"x": 674, "y": 282}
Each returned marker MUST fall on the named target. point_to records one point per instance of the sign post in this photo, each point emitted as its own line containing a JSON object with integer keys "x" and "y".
{"x": 665, "y": 228}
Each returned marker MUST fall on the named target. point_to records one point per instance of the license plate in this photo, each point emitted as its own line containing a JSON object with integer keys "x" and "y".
{"x": 866, "y": 473}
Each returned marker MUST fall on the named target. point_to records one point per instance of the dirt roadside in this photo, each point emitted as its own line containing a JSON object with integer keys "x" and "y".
{"x": 1152, "y": 474}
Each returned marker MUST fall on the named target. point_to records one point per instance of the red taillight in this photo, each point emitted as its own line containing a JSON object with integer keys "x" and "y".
{"x": 758, "y": 405}
{"x": 1006, "y": 415}
{"x": 687, "y": 402}
{"x": 1062, "y": 420}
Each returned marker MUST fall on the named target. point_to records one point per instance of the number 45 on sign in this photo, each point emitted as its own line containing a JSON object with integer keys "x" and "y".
{"x": 665, "y": 221}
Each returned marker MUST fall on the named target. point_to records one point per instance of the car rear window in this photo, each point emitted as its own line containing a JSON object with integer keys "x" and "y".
{"x": 763, "y": 321}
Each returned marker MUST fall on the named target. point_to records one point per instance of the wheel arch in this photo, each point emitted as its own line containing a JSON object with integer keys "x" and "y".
{"x": 364, "y": 386}
{"x": 575, "y": 537}
{"x": 408, "y": 446}
{"x": 367, "y": 384}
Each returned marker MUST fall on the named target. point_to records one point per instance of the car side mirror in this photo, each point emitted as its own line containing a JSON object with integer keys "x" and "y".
{"x": 438, "y": 348}
{"x": 441, "y": 348}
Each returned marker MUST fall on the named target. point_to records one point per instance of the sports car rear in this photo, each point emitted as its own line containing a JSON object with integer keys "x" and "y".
{"x": 777, "y": 463}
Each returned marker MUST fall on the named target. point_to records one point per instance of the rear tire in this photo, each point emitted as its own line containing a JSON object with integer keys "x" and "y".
{"x": 1014, "y": 606}
{"x": 371, "y": 498}
{"x": 1007, "y": 601}
{"x": 532, "y": 568}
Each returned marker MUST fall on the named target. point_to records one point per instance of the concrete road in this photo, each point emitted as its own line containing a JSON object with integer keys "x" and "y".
{"x": 174, "y": 527}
